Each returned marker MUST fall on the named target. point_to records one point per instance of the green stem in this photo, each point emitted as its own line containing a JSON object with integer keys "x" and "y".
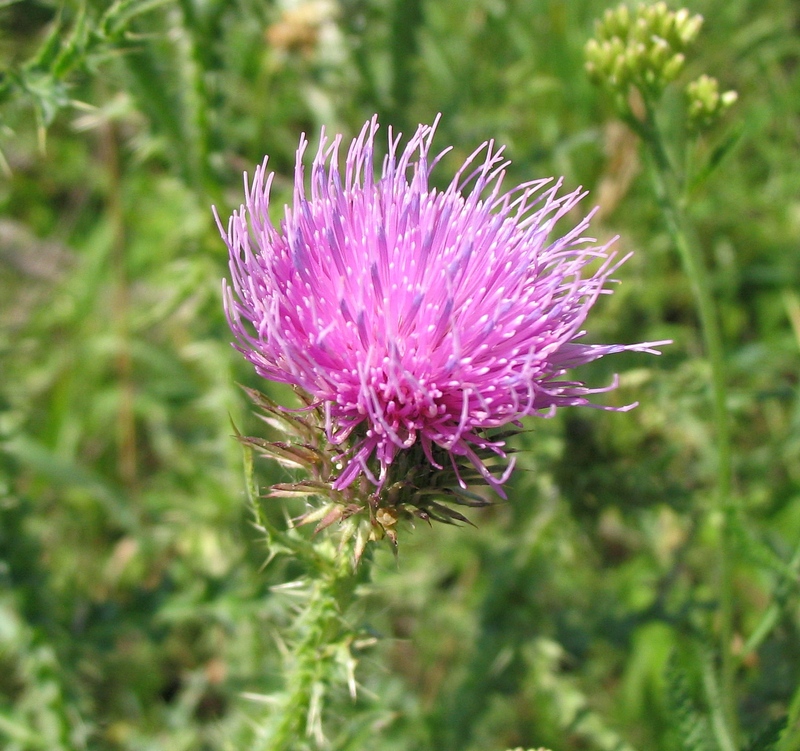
{"x": 319, "y": 636}
{"x": 667, "y": 188}
{"x": 721, "y": 725}
{"x": 313, "y": 657}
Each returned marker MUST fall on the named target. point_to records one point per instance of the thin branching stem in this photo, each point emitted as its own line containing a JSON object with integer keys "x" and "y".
{"x": 126, "y": 421}
{"x": 667, "y": 186}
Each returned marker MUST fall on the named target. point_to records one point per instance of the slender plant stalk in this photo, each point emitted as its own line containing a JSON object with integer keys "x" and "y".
{"x": 668, "y": 189}
{"x": 723, "y": 728}
{"x": 126, "y": 422}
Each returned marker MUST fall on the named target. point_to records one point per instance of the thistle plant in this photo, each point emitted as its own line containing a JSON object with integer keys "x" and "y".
{"x": 418, "y": 326}
{"x": 635, "y": 56}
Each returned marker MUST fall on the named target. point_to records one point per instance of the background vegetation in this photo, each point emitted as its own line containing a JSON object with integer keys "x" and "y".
{"x": 135, "y": 610}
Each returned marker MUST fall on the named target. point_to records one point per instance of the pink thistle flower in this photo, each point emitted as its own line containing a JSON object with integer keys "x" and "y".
{"x": 413, "y": 316}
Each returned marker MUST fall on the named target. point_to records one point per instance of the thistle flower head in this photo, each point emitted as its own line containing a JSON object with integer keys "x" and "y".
{"x": 416, "y": 320}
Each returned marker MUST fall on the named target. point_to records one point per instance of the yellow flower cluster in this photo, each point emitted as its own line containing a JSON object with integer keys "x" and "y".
{"x": 644, "y": 48}
{"x": 706, "y": 103}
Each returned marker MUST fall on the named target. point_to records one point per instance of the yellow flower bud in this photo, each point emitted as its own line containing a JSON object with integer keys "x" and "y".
{"x": 673, "y": 67}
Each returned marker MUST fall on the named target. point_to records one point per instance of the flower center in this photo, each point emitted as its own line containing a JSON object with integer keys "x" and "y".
{"x": 399, "y": 405}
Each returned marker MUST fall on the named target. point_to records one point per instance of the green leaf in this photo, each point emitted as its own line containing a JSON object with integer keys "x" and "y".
{"x": 691, "y": 728}
{"x": 717, "y": 156}
{"x": 767, "y": 739}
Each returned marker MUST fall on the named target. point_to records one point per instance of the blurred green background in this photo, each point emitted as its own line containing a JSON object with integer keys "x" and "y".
{"x": 134, "y": 608}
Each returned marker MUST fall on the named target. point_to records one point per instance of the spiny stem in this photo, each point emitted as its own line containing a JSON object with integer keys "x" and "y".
{"x": 312, "y": 660}
{"x": 319, "y": 632}
{"x": 667, "y": 189}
